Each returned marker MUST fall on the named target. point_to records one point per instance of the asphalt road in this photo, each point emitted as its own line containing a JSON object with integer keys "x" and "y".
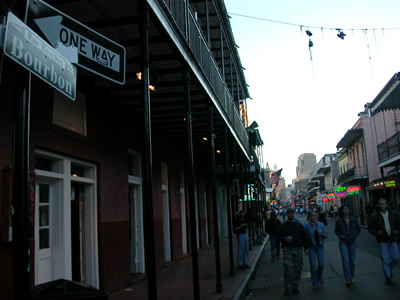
{"x": 267, "y": 282}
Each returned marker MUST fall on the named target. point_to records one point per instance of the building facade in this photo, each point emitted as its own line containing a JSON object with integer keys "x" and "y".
{"x": 125, "y": 180}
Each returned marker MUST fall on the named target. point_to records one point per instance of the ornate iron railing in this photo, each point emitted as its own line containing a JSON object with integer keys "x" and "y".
{"x": 185, "y": 20}
{"x": 389, "y": 148}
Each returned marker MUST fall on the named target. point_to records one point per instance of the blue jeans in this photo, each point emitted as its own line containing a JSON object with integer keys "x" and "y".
{"x": 390, "y": 257}
{"x": 243, "y": 249}
{"x": 348, "y": 253}
{"x": 316, "y": 272}
{"x": 275, "y": 246}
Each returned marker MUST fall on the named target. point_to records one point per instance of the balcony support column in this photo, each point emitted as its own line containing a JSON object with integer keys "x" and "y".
{"x": 20, "y": 189}
{"x": 228, "y": 203}
{"x": 144, "y": 26}
{"x": 192, "y": 208}
{"x": 214, "y": 200}
{"x": 397, "y": 183}
{"x": 235, "y": 176}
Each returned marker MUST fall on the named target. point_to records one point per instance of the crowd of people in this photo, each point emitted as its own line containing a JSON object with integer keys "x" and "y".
{"x": 293, "y": 238}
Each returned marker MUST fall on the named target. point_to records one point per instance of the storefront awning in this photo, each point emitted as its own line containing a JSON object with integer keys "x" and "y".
{"x": 388, "y": 98}
{"x": 350, "y": 138}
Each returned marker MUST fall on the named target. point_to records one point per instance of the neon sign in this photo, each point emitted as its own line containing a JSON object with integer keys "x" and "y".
{"x": 353, "y": 190}
{"x": 330, "y": 196}
{"x": 340, "y": 191}
{"x": 390, "y": 183}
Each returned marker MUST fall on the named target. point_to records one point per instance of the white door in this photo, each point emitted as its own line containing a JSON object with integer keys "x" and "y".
{"x": 65, "y": 220}
{"x": 43, "y": 228}
{"x": 136, "y": 228}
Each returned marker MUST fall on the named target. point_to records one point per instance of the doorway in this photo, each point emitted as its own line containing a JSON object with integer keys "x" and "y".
{"x": 65, "y": 219}
{"x": 136, "y": 228}
{"x": 77, "y": 232}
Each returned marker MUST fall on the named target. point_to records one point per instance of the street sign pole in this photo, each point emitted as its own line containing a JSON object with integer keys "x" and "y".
{"x": 20, "y": 191}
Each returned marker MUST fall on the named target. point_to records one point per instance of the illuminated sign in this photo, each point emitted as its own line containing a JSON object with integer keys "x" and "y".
{"x": 340, "y": 191}
{"x": 353, "y": 190}
{"x": 330, "y": 196}
{"x": 390, "y": 183}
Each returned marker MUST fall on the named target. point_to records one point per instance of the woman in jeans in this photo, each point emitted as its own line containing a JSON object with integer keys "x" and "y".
{"x": 347, "y": 229}
{"x": 317, "y": 234}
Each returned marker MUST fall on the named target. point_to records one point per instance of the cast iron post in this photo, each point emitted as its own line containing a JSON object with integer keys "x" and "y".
{"x": 147, "y": 154}
{"x": 192, "y": 209}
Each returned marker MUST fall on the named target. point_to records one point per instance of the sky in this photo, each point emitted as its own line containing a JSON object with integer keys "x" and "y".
{"x": 304, "y": 102}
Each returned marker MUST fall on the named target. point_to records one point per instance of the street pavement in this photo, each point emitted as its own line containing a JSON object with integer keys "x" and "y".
{"x": 267, "y": 280}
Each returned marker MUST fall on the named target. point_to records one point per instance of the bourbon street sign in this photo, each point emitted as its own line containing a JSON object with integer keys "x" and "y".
{"x": 77, "y": 42}
{"x": 33, "y": 53}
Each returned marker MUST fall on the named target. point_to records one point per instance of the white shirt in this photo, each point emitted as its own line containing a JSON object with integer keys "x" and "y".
{"x": 387, "y": 224}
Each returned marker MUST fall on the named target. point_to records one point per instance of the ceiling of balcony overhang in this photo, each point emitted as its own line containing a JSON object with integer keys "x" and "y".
{"x": 118, "y": 21}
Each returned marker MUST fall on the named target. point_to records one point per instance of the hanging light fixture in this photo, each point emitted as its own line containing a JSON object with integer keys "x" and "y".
{"x": 139, "y": 76}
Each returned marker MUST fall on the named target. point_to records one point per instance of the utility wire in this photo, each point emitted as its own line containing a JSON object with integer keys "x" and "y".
{"x": 307, "y": 26}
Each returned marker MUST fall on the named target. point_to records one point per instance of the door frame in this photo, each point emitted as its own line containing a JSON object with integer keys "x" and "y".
{"x": 61, "y": 234}
{"x": 136, "y": 207}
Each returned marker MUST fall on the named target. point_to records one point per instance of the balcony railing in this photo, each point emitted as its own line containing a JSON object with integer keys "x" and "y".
{"x": 184, "y": 19}
{"x": 389, "y": 148}
{"x": 354, "y": 173}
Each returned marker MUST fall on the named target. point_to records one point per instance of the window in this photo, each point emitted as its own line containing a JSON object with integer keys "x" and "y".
{"x": 69, "y": 114}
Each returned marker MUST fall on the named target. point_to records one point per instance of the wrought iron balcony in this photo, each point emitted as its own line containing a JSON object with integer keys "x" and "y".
{"x": 184, "y": 18}
{"x": 352, "y": 174}
{"x": 389, "y": 148}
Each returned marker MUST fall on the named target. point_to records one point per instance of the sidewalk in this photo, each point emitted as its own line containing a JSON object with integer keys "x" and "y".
{"x": 175, "y": 282}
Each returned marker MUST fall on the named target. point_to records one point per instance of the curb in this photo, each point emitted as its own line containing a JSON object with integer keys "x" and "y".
{"x": 241, "y": 290}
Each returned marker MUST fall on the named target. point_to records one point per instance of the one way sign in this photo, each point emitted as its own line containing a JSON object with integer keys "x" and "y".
{"x": 77, "y": 42}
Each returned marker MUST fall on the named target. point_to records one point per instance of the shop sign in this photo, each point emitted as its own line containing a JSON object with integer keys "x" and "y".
{"x": 353, "y": 190}
{"x": 340, "y": 191}
{"x": 390, "y": 184}
{"x": 330, "y": 196}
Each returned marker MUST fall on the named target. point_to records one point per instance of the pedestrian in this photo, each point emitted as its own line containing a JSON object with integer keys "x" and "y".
{"x": 335, "y": 212}
{"x": 271, "y": 227}
{"x": 242, "y": 240}
{"x": 347, "y": 229}
{"x": 385, "y": 226}
{"x": 322, "y": 216}
{"x": 293, "y": 236}
{"x": 268, "y": 214}
{"x": 317, "y": 234}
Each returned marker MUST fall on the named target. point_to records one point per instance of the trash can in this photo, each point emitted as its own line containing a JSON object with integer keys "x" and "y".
{"x": 66, "y": 289}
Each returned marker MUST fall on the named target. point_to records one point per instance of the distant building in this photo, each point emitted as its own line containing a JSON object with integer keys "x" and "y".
{"x": 305, "y": 164}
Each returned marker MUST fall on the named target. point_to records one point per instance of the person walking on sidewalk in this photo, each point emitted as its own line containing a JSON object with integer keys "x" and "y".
{"x": 243, "y": 240}
{"x": 347, "y": 229}
{"x": 317, "y": 234}
{"x": 385, "y": 226}
{"x": 271, "y": 227}
{"x": 293, "y": 236}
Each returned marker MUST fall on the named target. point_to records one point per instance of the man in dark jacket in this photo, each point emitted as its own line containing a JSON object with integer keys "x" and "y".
{"x": 385, "y": 226}
{"x": 271, "y": 227}
{"x": 293, "y": 236}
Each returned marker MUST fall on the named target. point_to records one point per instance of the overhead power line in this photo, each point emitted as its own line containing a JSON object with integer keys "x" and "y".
{"x": 308, "y": 26}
